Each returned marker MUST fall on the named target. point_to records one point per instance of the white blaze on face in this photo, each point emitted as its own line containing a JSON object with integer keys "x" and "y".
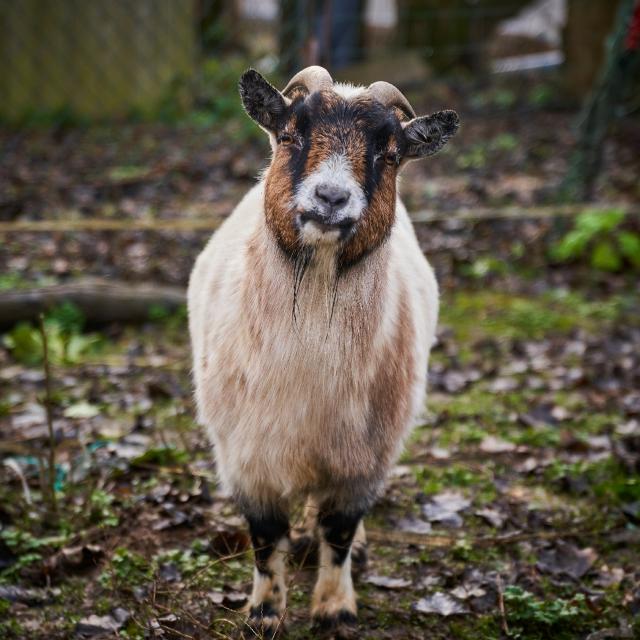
{"x": 335, "y": 171}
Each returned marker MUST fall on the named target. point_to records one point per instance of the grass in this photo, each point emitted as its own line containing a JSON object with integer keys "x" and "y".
{"x": 487, "y": 313}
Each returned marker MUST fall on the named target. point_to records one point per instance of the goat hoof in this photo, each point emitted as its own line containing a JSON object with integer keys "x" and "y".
{"x": 263, "y": 622}
{"x": 304, "y": 551}
{"x": 339, "y": 626}
{"x": 359, "y": 558}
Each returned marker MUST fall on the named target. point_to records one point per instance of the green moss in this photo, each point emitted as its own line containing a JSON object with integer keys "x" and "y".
{"x": 435, "y": 479}
{"x": 477, "y": 314}
{"x": 606, "y": 480}
{"x": 476, "y": 628}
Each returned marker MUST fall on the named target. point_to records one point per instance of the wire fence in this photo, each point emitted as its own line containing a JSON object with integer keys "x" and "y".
{"x": 102, "y": 59}
{"x": 94, "y": 58}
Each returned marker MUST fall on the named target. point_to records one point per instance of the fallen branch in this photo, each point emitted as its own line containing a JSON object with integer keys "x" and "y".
{"x": 503, "y": 613}
{"x": 387, "y": 538}
{"x": 100, "y": 301}
{"x": 48, "y": 405}
{"x": 433, "y": 540}
{"x": 423, "y": 216}
{"x": 102, "y": 224}
{"x": 478, "y": 214}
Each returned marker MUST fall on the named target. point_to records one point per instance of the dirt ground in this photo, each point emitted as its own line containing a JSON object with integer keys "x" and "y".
{"x": 513, "y": 512}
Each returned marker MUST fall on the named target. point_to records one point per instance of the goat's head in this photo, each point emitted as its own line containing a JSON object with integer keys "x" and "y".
{"x": 337, "y": 151}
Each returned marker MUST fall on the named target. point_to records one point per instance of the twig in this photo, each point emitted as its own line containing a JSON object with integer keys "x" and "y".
{"x": 49, "y": 411}
{"x": 516, "y": 213}
{"x": 210, "y": 224}
{"x": 175, "y": 631}
{"x": 15, "y": 467}
{"x": 503, "y": 614}
{"x": 101, "y": 224}
{"x": 429, "y": 540}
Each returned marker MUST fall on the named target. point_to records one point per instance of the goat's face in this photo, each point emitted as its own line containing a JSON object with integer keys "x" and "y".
{"x": 337, "y": 151}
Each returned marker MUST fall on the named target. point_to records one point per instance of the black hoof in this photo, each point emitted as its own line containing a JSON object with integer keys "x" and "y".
{"x": 263, "y": 622}
{"x": 304, "y": 551}
{"x": 341, "y": 626}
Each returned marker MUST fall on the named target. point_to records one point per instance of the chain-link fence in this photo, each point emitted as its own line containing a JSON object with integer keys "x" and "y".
{"x": 92, "y": 58}
{"x": 116, "y": 58}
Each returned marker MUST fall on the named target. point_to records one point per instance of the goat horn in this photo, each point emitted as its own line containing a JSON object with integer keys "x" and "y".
{"x": 391, "y": 96}
{"x": 312, "y": 79}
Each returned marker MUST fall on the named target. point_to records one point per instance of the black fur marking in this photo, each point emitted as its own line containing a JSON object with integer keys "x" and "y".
{"x": 266, "y": 531}
{"x": 298, "y": 158}
{"x": 427, "y": 135}
{"x": 338, "y": 529}
{"x": 262, "y": 102}
{"x": 263, "y": 610}
{"x": 304, "y": 551}
{"x": 377, "y": 142}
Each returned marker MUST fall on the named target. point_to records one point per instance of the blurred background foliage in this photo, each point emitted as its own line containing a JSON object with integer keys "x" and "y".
{"x": 70, "y": 62}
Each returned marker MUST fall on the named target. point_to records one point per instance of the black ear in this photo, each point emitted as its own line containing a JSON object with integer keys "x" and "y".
{"x": 263, "y": 102}
{"x": 428, "y": 134}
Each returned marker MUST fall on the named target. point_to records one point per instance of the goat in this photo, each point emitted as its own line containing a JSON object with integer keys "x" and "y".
{"x": 312, "y": 312}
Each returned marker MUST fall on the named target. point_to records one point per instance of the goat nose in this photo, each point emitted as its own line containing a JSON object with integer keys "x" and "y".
{"x": 331, "y": 196}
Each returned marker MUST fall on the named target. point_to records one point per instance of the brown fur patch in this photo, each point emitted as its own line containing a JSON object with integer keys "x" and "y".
{"x": 257, "y": 298}
{"x": 279, "y": 215}
{"x": 391, "y": 389}
{"x": 376, "y": 222}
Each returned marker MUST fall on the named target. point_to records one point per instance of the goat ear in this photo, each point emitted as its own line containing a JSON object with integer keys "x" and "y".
{"x": 428, "y": 134}
{"x": 263, "y": 102}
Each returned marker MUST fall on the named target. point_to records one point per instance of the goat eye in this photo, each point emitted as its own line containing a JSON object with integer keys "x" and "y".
{"x": 391, "y": 158}
{"x": 285, "y": 139}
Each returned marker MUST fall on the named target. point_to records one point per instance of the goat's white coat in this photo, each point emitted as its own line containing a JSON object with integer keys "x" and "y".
{"x": 277, "y": 412}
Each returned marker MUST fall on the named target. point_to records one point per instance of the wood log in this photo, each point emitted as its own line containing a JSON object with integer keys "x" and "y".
{"x": 101, "y": 301}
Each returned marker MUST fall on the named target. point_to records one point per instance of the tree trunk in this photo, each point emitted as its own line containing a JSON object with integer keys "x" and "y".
{"x": 599, "y": 109}
{"x": 589, "y": 22}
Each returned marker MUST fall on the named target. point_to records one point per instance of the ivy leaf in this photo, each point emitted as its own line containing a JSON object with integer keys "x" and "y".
{"x": 605, "y": 257}
{"x": 629, "y": 244}
{"x": 571, "y": 246}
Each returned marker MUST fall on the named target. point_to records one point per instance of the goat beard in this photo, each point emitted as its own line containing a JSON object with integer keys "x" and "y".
{"x": 302, "y": 260}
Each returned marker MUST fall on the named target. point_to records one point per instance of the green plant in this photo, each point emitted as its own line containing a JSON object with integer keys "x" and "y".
{"x": 217, "y": 102}
{"x": 188, "y": 561}
{"x": 27, "y": 548}
{"x": 66, "y": 342}
{"x": 162, "y": 456}
{"x": 598, "y": 235}
{"x": 21, "y": 542}
{"x": 541, "y": 95}
{"x": 485, "y": 266}
{"x": 127, "y": 569}
{"x": 175, "y": 319}
{"x": 539, "y": 618}
{"x": 504, "y": 142}
{"x": 101, "y": 509}
{"x": 474, "y": 158}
